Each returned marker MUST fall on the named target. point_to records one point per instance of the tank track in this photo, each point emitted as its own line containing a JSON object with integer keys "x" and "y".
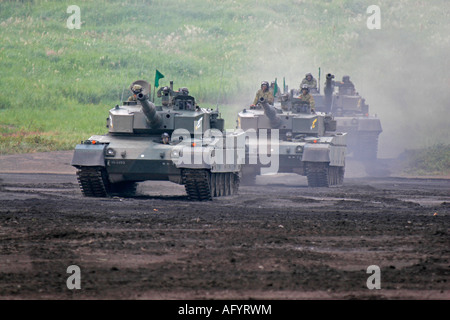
{"x": 321, "y": 174}
{"x": 91, "y": 182}
{"x": 201, "y": 185}
{"x": 94, "y": 183}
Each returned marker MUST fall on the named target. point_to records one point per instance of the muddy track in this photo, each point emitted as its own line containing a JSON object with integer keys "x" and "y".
{"x": 276, "y": 240}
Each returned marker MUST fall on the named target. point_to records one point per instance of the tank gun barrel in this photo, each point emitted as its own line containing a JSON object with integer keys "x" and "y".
{"x": 153, "y": 119}
{"x": 270, "y": 112}
{"x": 328, "y": 91}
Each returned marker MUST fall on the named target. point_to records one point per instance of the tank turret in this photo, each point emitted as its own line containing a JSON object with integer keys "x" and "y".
{"x": 351, "y": 114}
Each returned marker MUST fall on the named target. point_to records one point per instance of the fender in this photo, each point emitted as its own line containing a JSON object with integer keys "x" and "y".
{"x": 89, "y": 155}
{"x": 316, "y": 153}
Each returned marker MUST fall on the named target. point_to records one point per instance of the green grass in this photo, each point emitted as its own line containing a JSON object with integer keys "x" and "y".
{"x": 57, "y": 85}
{"x": 434, "y": 160}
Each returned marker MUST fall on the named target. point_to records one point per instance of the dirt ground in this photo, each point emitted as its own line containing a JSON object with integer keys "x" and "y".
{"x": 277, "y": 240}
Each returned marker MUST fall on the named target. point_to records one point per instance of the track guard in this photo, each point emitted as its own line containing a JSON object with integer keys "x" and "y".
{"x": 89, "y": 155}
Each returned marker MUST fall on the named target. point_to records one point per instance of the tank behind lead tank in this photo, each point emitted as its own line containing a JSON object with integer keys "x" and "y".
{"x": 306, "y": 144}
{"x": 352, "y": 116}
{"x": 133, "y": 150}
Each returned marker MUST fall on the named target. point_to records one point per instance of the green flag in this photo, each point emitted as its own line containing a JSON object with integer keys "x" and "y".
{"x": 158, "y": 76}
{"x": 275, "y": 88}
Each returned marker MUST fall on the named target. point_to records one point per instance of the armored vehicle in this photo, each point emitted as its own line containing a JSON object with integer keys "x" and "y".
{"x": 300, "y": 141}
{"x": 352, "y": 116}
{"x": 177, "y": 142}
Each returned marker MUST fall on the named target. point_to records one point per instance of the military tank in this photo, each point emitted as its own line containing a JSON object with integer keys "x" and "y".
{"x": 176, "y": 142}
{"x": 304, "y": 142}
{"x": 352, "y": 116}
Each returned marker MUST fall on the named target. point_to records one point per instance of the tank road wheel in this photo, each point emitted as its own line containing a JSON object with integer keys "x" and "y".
{"x": 321, "y": 174}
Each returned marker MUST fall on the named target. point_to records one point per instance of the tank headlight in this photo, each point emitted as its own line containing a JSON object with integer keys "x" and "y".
{"x": 299, "y": 149}
{"x": 177, "y": 153}
{"x": 110, "y": 152}
{"x": 289, "y": 134}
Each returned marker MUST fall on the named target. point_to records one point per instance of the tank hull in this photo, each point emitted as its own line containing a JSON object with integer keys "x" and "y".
{"x": 126, "y": 160}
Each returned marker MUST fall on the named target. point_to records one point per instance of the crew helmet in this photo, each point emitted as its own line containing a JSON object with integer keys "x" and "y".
{"x": 137, "y": 88}
{"x": 265, "y": 83}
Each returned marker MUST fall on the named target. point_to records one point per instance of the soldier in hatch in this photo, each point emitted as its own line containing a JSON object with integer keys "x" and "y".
{"x": 165, "y": 138}
{"x": 164, "y": 93}
{"x": 305, "y": 96}
{"x": 265, "y": 93}
{"x": 309, "y": 81}
{"x": 346, "y": 86}
{"x": 135, "y": 89}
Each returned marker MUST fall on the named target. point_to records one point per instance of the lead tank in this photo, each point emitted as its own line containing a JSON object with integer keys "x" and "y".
{"x": 352, "y": 116}
{"x": 176, "y": 142}
{"x": 304, "y": 142}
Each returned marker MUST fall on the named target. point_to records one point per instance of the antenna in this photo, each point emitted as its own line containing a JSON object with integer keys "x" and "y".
{"x": 220, "y": 84}
{"x": 121, "y": 99}
{"x": 319, "y": 81}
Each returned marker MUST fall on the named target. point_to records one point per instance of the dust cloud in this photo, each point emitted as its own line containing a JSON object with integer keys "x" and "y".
{"x": 402, "y": 70}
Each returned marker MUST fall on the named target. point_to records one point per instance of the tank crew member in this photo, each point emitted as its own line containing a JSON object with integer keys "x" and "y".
{"x": 305, "y": 96}
{"x": 164, "y": 93}
{"x": 165, "y": 138}
{"x": 310, "y": 81}
{"x": 136, "y": 89}
{"x": 346, "y": 86}
{"x": 265, "y": 93}
{"x": 184, "y": 91}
